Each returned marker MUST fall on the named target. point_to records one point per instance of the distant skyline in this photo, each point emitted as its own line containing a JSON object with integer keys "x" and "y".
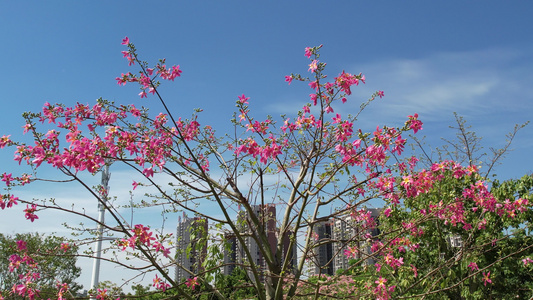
{"x": 429, "y": 57}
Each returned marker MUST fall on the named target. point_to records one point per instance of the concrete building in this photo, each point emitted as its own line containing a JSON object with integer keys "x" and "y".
{"x": 348, "y": 232}
{"x": 230, "y": 253}
{"x": 236, "y": 254}
{"x": 321, "y": 260}
{"x": 188, "y": 258}
{"x": 267, "y": 216}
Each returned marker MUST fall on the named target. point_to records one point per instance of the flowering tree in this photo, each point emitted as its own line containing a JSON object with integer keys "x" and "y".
{"x": 312, "y": 167}
{"x": 52, "y": 258}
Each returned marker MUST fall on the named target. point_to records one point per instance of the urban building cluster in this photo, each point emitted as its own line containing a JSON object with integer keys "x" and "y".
{"x": 331, "y": 238}
{"x": 334, "y": 237}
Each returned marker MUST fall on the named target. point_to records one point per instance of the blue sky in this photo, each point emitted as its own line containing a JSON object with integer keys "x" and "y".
{"x": 429, "y": 57}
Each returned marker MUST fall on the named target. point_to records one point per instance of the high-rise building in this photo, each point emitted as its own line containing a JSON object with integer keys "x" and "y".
{"x": 189, "y": 259}
{"x": 267, "y": 217}
{"x": 321, "y": 258}
{"x": 266, "y": 214}
{"x": 230, "y": 253}
{"x": 288, "y": 251}
{"x": 347, "y": 232}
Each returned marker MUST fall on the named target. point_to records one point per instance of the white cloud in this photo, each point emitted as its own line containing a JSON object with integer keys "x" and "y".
{"x": 472, "y": 83}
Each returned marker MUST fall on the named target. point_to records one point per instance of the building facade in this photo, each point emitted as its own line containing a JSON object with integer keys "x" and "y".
{"x": 321, "y": 260}
{"x": 189, "y": 259}
{"x": 348, "y": 232}
{"x": 234, "y": 254}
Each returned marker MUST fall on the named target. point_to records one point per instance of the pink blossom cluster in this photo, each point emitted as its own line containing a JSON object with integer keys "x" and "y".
{"x": 8, "y": 201}
{"x": 344, "y": 130}
{"x": 160, "y": 284}
{"x": 63, "y": 289}
{"x": 151, "y": 146}
{"x": 384, "y": 141}
{"x": 393, "y": 262}
{"x": 363, "y": 218}
{"x": 143, "y": 236}
{"x": 326, "y": 93}
{"x": 351, "y": 252}
{"x": 345, "y": 80}
{"x": 269, "y": 151}
{"x": 146, "y": 82}
{"x": 101, "y": 294}
{"x": 304, "y": 121}
{"x": 30, "y": 212}
{"x": 10, "y": 180}
{"x": 381, "y": 290}
{"x": 402, "y": 244}
{"x": 25, "y": 287}
{"x": 414, "y": 123}
{"x": 189, "y": 130}
{"x": 476, "y": 196}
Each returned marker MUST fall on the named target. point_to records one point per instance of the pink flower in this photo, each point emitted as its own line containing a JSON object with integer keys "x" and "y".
{"x": 308, "y": 52}
{"x": 288, "y": 79}
{"x": 7, "y": 178}
{"x": 313, "y": 98}
{"x": 30, "y": 212}
{"x": 160, "y": 284}
{"x": 12, "y": 201}
{"x": 4, "y": 140}
{"x": 135, "y": 184}
{"x": 65, "y": 247}
{"x": 148, "y": 172}
{"x": 527, "y": 261}
{"x": 473, "y": 266}
{"x": 381, "y": 281}
{"x": 243, "y": 99}
{"x": 351, "y": 252}
{"x": 26, "y": 127}
{"x": 125, "y": 41}
{"x": 25, "y": 179}
{"x": 345, "y": 81}
{"x": 486, "y": 278}
{"x": 378, "y": 267}
{"x": 21, "y": 245}
{"x": 192, "y": 282}
{"x": 393, "y": 262}
{"x": 101, "y": 294}
{"x": 414, "y": 123}
{"x": 314, "y": 85}
{"x": 176, "y": 72}
{"x": 313, "y": 66}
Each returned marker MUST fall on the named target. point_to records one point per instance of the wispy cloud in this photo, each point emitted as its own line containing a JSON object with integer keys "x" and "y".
{"x": 491, "y": 88}
{"x": 473, "y": 83}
